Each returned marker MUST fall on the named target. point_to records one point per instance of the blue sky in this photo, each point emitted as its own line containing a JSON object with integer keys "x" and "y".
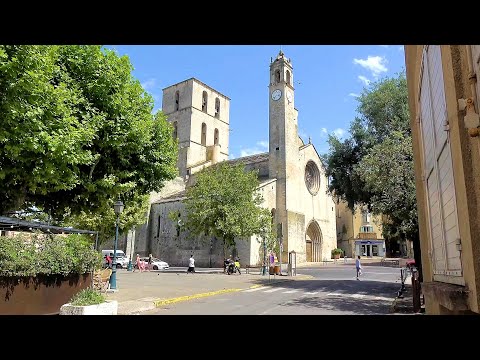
{"x": 327, "y": 80}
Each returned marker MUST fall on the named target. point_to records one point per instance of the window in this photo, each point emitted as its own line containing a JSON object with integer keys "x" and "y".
{"x": 288, "y": 77}
{"x": 175, "y": 130}
{"x": 204, "y": 101}
{"x": 215, "y": 137}
{"x": 204, "y": 134}
{"x": 366, "y": 217}
{"x": 177, "y": 100}
{"x": 366, "y": 229}
{"x": 217, "y": 107}
{"x": 277, "y": 76}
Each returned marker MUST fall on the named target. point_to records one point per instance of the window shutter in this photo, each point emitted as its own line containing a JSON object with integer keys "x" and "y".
{"x": 438, "y": 169}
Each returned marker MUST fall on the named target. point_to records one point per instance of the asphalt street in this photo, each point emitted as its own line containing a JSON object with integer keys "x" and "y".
{"x": 333, "y": 290}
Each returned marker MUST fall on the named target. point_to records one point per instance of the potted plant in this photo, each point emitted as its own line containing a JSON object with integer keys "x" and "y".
{"x": 89, "y": 302}
{"x": 336, "y": 253}
{"x": 39, "y": 273}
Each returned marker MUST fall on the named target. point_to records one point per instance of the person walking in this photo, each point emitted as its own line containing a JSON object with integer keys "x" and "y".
{"x": 358, "y": 266}
{"x": 191, "y": 264}
{"x": 150, "y": 261}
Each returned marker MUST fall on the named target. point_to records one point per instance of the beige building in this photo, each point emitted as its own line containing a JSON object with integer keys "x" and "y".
{"x": 443, "y": 93}
{"x": 359, "y": 232}
{"x": 291, "y": 174}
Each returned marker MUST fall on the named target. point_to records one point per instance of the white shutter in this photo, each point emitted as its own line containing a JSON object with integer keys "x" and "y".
{"x": 441, "y": 202}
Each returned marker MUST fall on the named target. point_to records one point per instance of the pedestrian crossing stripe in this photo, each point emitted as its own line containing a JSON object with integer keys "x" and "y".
{"x": 269, "y": 290}
{"x": 274, "y": 289}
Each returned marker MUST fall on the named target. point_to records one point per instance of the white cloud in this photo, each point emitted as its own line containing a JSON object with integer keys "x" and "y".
{"x": 376, "y": 64}
{"x": 252, "y": 151}
{"x": 401, "y": 48}
{"x": 363, "y": 79}
{"x": 261, "y": 147}
{"x": 385, "y": 46}
{"x": 339, "y": 132}
{"x": 263, "y": 144}
{"x": 231, "y": 156}
{"x": 353, "y": 94}
{"x": 149, "y": 84}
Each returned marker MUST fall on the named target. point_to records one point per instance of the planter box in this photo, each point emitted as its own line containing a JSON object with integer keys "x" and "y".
{"x": 39, "y": 295}
{"x": 110, "y": 307}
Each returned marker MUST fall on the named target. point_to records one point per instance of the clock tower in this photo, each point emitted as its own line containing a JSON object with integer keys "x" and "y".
{"x": 284, "y": 142}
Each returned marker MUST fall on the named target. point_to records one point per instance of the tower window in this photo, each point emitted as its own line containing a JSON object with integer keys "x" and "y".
{"x": 175, "y": 130}
{"x": 204, "y": 134}
{"x": 204, "y": 101}
{"x": 177, "y": 100}
{"x": 217, "y": 107}
{"x": 215, "y": 137}
{"x": 288, "y": 77}
{"x": 277, "y": 76}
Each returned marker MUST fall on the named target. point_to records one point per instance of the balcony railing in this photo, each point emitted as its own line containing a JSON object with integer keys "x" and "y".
{"x": 367, "y": 235}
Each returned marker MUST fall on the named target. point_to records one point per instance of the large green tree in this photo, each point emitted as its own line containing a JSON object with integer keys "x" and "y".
{"x": 225, "y": 203}
{"x": 76, "y": 132}
{"x": 374, "y": 166}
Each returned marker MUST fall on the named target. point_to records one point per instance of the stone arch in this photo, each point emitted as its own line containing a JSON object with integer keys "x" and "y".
{"x": 313, "y": 242}
{"x": 203, "y": 140}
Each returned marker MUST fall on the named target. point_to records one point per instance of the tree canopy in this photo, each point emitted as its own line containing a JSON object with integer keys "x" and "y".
{"x": 374, "y": 166}
{"x": 77, "y": 131}
{"x": 225, "y": 203}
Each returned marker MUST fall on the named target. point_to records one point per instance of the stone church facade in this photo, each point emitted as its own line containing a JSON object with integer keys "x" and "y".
{"x": 291, "y": 175}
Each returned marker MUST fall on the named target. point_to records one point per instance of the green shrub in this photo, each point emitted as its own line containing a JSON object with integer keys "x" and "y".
{"x": 87, "y": 297}
{"x": 337, "y": 251}
{"x": 38, "y": 254}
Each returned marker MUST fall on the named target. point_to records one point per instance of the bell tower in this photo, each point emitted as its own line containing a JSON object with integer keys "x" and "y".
{"x": 283, "y": 139}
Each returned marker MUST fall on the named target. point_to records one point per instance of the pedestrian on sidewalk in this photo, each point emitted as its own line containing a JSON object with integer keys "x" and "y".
{"x": 150, "y": 261}
{"x": 191, "y": 264}
{"x": 358, "y": 266}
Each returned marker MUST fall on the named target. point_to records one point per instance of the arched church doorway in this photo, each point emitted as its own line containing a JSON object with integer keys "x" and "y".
{"x": 313, "y": 242}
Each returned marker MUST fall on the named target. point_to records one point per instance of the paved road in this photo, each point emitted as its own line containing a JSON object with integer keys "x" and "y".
{"x": 332, "y": 291}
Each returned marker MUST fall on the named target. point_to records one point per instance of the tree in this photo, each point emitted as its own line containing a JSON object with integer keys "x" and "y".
{"x": 77, "y": 131}
{"x": 374, "y": 167}
{"x": 225, "y": 203}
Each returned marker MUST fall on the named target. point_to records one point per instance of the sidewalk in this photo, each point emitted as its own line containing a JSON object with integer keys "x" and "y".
{"x": 138, "y": 292}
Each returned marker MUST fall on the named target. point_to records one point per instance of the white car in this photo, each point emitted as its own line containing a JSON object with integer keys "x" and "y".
{"x": 157, "y": 264}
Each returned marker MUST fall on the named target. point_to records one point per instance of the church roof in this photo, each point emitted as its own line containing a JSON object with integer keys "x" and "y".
{"x": 251, "y": 159}
{"x": 180, "y": 195}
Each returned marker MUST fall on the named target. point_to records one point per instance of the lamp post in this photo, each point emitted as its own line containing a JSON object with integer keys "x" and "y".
{"x": 264, "y": 270}
{"x": 118, "y": 207}
{"x": 130, "y": 266}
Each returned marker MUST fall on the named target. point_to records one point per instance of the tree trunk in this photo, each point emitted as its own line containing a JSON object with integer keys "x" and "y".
{"x": 417, "y": 254}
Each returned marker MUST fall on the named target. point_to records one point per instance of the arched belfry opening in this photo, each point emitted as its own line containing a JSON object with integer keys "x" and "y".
{"x": 313, "y": 242}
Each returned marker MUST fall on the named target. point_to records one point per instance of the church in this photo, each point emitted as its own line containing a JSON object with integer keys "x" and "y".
{"x": 291, "y": 176}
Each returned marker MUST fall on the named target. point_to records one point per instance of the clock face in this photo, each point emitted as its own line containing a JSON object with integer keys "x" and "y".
{"x": 276, "y": 94}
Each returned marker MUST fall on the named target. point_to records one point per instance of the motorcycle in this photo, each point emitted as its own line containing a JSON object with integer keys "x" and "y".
{"x": 232, "y": 267}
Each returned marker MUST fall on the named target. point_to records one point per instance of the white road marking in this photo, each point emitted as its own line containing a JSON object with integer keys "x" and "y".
{"x": 290, "y": 292}
{"x": 274, "y": 289}
{"x": 311, "y": 293}
{"x": 258, "y": 288}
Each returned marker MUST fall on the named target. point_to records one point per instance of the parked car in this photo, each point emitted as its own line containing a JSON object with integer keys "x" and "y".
{"x": 157, "y": 264}
{"x": 122, "y": 259}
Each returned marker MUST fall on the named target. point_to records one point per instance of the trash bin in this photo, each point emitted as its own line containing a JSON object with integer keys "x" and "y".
{"x": 277, "y": 270}
{"x": 271, "y": 270}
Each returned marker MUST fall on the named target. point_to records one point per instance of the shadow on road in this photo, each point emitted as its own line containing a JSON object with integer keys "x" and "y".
{"x": 340, "y": 295}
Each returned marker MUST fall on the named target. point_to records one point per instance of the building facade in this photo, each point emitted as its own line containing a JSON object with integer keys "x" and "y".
{"x": 443, "y": 92}
{"x": 359, "y": 232}
{"x": 291, "y": 175}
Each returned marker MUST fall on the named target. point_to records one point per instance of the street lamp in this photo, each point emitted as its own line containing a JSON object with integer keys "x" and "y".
{"x": 118, "y": 207}
{"x": 130, "y": 266}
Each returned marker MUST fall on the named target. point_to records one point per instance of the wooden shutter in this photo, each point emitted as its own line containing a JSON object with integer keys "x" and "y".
{"x": 476, "y": 69}
{"x": 438, "y": 168}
